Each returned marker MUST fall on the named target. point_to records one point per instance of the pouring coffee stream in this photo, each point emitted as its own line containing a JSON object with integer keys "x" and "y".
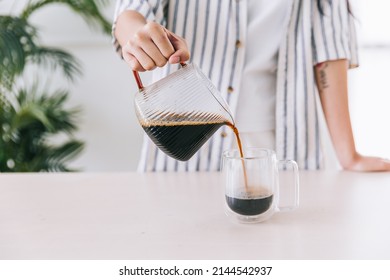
{"x": 182, "y": 111}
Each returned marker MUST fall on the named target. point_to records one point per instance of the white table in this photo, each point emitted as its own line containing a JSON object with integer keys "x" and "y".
{"x": 342, "y": 215}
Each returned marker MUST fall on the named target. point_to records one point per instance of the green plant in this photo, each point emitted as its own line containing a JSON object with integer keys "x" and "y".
{"x": 31, "y": 118}
{"x": 28, "y": 126}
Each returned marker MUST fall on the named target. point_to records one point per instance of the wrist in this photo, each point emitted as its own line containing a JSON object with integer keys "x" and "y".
{"x": 350, "y": 161}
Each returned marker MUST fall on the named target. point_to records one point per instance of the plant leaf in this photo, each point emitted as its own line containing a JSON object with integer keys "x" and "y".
{"x": 57, "y": 58}
{"x": 88, "y": 9}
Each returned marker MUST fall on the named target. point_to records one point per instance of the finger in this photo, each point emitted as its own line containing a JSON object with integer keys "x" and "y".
{"x": 133, "y": 63}
{"x": 181, "y": 54}
{"x": 154, "y": 53}
{"x": 378, "y": 164}
{"x": 144, "y": 59}
{"x": 373, "y": 164}
{"x": 133, "y": 47}
{"x": 386, "y": 163}
{"x": 131, "y": 60}
{"x": 160, "y": 38}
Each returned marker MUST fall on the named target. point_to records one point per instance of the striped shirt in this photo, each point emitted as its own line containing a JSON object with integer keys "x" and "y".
{"x": 215, "y": 32}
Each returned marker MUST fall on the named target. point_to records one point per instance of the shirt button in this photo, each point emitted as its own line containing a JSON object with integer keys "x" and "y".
{"x": 223, "y": 134}
{"x": 230, "y": 89}
{"x": 238, "y": 44}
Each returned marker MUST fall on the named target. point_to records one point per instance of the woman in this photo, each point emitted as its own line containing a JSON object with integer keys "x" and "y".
{"x": 271, "y": 60}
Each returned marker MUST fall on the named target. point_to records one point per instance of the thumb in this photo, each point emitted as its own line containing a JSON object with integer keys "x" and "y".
{"x": 181, "y": 53}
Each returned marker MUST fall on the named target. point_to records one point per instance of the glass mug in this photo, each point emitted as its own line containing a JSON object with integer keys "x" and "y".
{"x": 181, "y": 112}
{"x": 252, "y": 192}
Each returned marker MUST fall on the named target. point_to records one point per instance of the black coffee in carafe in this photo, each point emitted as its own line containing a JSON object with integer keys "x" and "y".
{"x": 181, "y": 140}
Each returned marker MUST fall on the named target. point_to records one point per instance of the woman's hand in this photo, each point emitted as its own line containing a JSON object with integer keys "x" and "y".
{"x": 368, "y": 164}
{"x": 147, "y": 45}
{"x": 153, "y": 46}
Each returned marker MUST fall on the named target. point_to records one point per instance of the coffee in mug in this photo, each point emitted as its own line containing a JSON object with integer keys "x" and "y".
{"x": 252, "y": 184}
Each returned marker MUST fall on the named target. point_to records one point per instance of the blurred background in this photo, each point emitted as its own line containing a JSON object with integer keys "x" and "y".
{"x": 105, "y": 90}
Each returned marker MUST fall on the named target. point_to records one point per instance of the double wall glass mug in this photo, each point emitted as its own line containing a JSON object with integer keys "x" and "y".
{"x": 252, "y": 189}
{"x": 181, "y": 111}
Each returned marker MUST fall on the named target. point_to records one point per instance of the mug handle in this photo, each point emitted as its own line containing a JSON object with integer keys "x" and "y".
{"x": 284, "y": 165}
{"x": 138, "y": 78}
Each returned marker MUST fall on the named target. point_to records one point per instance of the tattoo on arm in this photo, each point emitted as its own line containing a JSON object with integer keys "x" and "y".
{"x": 322, "y": 77}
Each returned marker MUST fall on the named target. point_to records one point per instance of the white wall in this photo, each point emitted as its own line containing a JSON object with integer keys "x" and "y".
{"x": 370, "y": 102}
{"x": 369, "y": 87}
{"x": 106, "y": 89}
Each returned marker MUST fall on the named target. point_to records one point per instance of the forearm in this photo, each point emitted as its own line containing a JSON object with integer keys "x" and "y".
{"x": 332, "y": 84}
{"x": 128, "y": 23}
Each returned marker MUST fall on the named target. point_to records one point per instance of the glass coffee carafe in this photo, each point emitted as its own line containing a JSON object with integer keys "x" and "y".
{"x": 181, "y": 111}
